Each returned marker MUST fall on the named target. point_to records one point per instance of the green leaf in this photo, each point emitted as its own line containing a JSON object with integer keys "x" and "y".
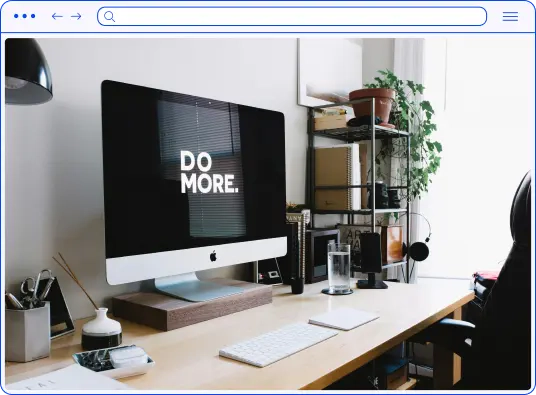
{"x": 430, "y": 146}
{"x": 419, "y": 88}
{"x": 426, "y": 106}
{"x": 383, "y": 72}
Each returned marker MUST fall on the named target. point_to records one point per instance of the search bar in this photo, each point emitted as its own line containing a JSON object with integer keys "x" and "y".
{"x": 292, "y": 16}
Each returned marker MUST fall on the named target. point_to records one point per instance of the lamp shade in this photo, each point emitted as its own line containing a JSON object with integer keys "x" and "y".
{"x": 28, "y": 78}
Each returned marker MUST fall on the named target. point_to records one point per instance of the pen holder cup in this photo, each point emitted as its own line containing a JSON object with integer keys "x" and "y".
{"x": 297, "y": 285}
{"x": 27, "y": 334}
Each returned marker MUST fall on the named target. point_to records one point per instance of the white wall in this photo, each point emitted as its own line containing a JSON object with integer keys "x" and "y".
{"x": 54, "y": 191}
{"x": 378, "y": 54}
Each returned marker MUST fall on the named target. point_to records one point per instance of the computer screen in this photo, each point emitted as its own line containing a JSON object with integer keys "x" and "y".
{"x": 183, "y": 172}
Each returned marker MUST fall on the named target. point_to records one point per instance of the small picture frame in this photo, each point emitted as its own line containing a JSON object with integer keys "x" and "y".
{"x": 316, "y": 263}
{"x": 61, "y": 322}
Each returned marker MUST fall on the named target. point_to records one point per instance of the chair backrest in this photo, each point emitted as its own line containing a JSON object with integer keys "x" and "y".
{"x": 502, "y": 342}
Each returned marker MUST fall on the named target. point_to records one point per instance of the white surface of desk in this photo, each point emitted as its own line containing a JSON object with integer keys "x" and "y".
{"x": 187, "y": 358}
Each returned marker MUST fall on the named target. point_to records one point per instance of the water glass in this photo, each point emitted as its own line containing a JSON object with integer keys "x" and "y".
{"x": 339, "y": 268}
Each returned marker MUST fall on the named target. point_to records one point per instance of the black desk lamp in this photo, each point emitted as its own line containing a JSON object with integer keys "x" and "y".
{"x": 28, "y": 78}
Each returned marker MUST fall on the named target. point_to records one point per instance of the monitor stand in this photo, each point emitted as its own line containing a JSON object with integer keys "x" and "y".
{"x": 371, "y": 283}
{"x": 189, "y": 287}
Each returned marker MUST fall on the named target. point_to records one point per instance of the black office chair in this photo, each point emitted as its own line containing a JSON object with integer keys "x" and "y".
{"x": 497, "y": 356}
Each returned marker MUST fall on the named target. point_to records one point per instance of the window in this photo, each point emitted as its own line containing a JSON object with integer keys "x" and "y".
{"x": 482, "y": 90}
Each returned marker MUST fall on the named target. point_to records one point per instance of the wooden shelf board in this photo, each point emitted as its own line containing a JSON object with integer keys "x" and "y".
{"x": 408, "y": 385}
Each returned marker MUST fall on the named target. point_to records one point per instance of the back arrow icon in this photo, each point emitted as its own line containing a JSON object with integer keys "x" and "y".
{"x": 56, "y": 16}
{"x": 77, "y": 16}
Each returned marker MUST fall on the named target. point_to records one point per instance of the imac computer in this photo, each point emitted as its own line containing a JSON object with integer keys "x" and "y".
{"x": 189, "y": 184}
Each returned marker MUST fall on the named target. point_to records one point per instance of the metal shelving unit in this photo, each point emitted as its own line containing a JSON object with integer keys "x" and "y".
{"x": 353, "y": 134}
{"x": 370, "y": 133}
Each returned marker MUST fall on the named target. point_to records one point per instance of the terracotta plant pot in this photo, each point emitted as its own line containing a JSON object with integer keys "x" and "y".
{"x": 384, "y": 100}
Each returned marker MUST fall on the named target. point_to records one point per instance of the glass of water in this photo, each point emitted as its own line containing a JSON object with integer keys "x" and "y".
{"x": 339, "y": 269}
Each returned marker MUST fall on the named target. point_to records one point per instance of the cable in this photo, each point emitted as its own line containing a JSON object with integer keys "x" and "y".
{"x": 428, "y": 222}
{"x": 278, "y": 269}
{"x": 411, "y": 272}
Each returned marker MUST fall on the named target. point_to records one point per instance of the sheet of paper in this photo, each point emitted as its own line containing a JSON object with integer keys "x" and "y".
{"x": 73, "y": 377}
{"x": 344, "y": 318}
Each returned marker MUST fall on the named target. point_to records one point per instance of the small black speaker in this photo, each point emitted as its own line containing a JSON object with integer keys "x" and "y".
{"x": 394, "y": 199}
{"x": 382, "y": 197}
{"x": 371, "y": 252}
{"x": 371, "y": 260}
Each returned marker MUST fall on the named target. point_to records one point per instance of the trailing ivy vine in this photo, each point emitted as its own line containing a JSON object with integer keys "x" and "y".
{"x": 424, "y": 150}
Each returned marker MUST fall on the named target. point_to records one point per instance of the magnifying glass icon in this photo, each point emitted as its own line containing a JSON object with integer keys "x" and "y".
{"x": 109, "y": 16}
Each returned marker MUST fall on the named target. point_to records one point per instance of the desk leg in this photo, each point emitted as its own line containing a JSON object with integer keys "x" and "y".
{"x": 447, "y": 365}
{"x": 256, "y": 272}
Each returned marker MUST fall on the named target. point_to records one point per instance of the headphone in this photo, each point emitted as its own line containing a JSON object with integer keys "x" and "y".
{"x": 419, "y": 250}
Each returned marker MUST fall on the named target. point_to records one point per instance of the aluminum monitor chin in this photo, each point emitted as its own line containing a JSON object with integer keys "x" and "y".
{"x": 189, "y": 183}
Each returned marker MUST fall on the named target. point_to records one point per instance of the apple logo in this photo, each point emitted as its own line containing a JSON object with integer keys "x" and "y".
{"x": 213, "y": 256}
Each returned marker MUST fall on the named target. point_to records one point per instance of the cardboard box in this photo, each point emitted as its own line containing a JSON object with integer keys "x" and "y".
{"x": 330, "y": 122}
{"x": 396, "y": 378}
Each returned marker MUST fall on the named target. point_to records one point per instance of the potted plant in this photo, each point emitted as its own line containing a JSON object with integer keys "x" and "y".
{"x": 424, "y": 150}
{"x": 382, "y": 105}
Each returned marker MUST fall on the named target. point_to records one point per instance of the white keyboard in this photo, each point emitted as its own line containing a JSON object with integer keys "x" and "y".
{"x": 266, "y": 349}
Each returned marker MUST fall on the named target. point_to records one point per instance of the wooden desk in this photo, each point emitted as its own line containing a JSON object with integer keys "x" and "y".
{"x": 187, "y": 358}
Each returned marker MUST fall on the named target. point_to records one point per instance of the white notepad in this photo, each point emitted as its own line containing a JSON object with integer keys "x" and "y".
{"x": 73, "y": 377}
{"x": 344, "y": 318}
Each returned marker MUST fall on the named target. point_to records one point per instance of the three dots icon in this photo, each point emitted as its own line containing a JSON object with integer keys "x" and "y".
{"x": 24, "y": 16}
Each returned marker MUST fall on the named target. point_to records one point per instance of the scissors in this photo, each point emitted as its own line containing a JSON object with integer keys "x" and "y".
{"x": 30, "y": 287}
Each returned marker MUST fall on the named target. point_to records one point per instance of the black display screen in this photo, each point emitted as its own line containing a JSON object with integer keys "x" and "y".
{"x": 182, "y": 171}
